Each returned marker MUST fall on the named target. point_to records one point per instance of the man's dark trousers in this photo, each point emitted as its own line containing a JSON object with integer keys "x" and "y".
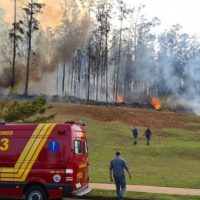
{"x": 120, "y": 183}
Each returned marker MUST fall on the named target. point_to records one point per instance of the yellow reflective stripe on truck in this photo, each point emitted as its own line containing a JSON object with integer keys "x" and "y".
{"x": 26, "y": 151}
{"x": 26, "y": 154}
{"x": 38, "y": 150}
{"x": 29, "y": 155}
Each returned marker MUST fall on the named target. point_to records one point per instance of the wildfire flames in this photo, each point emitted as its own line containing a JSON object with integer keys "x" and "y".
{"x": 155, "y": 103}
{"x": 119, "y": 98}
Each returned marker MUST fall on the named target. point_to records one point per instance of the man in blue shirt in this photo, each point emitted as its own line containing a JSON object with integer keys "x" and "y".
{"x": 148, "y": 134}
{"x": 135, "y": 134}
{"x": 117, "y": 166}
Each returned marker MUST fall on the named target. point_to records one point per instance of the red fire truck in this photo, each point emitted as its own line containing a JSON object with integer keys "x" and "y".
{"x": 43, "y": 161}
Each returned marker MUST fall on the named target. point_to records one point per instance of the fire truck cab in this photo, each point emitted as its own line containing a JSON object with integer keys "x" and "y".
{"x": 43, "y": 161}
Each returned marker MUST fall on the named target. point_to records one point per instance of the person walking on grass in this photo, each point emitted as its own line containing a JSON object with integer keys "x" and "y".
{"x": 117, "y": 167}
{"x": 135, "y": 135}
{"x": 147, "y": 134}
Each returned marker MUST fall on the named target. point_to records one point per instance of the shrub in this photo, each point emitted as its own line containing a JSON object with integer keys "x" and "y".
{"x": 28, "y": 111}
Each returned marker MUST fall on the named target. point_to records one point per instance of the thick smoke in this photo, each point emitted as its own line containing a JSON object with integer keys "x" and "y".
{"x": 191, "y": 95}
{"x": 7, "y": 8}
{"x": 182, "y": 77}
{"x": 54, "y": 47}
{"x": 51, "y": 14}
{"x": 5, "y": 80}
{"x": 51, "y": 47}
{"x": 50, "y": 17}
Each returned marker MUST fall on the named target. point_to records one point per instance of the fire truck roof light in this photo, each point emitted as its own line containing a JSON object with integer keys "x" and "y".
{"x": 70, "y": 122}
{"x": 75, "y": 122}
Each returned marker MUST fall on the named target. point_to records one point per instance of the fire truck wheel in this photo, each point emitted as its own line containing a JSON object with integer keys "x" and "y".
{"x": 35, "y": 193}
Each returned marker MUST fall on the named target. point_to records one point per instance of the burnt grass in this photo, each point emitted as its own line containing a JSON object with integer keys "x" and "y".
{"x": 139, "y": 117}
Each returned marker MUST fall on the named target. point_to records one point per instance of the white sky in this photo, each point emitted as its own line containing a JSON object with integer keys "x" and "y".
{"x": 183, "y": 12}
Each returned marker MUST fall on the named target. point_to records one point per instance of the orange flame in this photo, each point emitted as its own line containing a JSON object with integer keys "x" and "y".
{"x": 119, "y": 98}
{"x": 155, "y": 103}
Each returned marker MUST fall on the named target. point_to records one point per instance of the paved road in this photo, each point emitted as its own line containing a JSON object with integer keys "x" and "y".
{"x": 150, "y": 189}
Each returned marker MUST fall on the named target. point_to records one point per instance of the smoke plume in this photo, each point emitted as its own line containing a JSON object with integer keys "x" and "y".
{"x": 51, "y": 47}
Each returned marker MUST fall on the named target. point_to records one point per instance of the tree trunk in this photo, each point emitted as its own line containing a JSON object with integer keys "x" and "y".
{"x": 29, "y": 50}
{"x": 14, "y": 48}
{"x": 106, "y": 61}
{"x": 63, "y": 78}
{"x": 118, "y": 64}
{"x": 57, "y": 72}
{"x": 88, "y": 75}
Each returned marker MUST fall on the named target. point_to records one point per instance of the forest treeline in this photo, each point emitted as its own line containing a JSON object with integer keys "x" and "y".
{"x": 100, "y": 50}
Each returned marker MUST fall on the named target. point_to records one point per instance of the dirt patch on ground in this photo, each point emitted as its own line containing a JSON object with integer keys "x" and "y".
{"x": 131, "y": 116}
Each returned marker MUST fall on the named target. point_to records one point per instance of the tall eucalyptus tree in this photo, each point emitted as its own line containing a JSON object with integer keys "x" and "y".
{"x": 31, "y": 9}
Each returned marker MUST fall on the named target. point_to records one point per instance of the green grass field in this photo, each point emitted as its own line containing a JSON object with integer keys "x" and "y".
{"x": 101, "y": 194}
{"x": 172, "y": 159}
